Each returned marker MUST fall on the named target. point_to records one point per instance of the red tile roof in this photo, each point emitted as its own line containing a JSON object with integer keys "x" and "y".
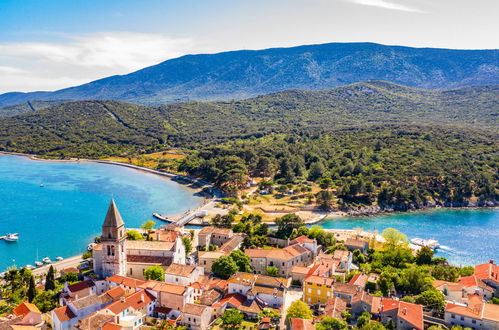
{"x": 487, "y": 271}
{"x": 126, "y": 281}
{"x": 81, "y": 286}
{"x": 25, "y": 308}
{"x": 411, "y": 313}
{"x": 303, "y": 239}
{"x": 301, "y": 324}
{"x": 137, "y": 300}
{"x": 64, "y": 313}
{"x": 235, "y": 299}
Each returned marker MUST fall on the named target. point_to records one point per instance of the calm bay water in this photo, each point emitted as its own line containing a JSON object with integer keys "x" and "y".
{"x": 467, "y": 236}
{"x": 62, "y": 217}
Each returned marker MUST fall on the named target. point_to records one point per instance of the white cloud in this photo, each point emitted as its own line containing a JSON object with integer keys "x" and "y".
{"x": 31, "y": 66}
{"x": 386, "y": 4}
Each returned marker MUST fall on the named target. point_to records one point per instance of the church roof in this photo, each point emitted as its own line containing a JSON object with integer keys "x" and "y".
{"x": 113, "y": 217}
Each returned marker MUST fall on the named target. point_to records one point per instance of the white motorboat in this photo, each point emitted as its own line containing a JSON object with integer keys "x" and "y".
{"x": 11, "y": 237}
{"x": 431, "y": 243}
{"x": 59, "y": 258}
{"x": 38, "y": 264}
{"x": 30, "y": 267}
{"x": 47, "y": 260}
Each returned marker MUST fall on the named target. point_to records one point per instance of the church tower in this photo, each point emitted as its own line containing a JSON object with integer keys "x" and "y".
{"x": 113, "y": 243}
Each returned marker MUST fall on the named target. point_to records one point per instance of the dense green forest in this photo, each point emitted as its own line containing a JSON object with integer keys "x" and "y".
{"x": 395, "y": 167}
{"x": 368, "y": 143}
{"x": 105, "y": 128}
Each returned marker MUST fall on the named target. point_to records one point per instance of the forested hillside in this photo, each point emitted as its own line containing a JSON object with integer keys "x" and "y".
{"x": 393, "y": 167}
{"x": 248, "y": 73}
{"x": 103, "y": 128}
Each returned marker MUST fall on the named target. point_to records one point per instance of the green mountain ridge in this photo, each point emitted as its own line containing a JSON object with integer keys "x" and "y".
{"x": 102, "y": 128}
{"x": 248, "y": 73}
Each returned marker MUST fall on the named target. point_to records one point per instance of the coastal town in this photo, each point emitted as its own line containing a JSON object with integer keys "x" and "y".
{"x": 248, "y": 276}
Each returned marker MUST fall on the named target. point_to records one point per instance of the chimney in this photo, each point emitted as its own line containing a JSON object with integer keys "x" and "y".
{"x": 404, "y": 311}
{"x": 142, "y": 299}
{"x": 122, "y": 299}
{"x": 491, "y": 261}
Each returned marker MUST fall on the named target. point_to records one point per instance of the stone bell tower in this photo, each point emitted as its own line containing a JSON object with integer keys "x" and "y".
{"x": 113, "y": 241}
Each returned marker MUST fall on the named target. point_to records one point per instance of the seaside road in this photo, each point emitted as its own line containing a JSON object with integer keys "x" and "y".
{"x": 59, "y": 265}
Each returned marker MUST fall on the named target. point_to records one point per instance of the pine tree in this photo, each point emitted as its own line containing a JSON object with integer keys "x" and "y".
{"x": 32, "y": 289}
{"x": 50, "y": 279}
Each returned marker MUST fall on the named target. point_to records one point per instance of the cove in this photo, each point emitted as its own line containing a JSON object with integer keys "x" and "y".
{"x": 58, "y": 207}
{"x": 467, "y": 236}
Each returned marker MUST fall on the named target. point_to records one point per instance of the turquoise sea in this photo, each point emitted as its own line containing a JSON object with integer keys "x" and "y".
{"x": 467, "y": 236}
{"x": 63, "y": 216}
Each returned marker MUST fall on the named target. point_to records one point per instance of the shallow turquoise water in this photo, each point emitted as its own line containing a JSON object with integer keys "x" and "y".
{"x": 62, "y": 217}
{"x": 467, "y": 236}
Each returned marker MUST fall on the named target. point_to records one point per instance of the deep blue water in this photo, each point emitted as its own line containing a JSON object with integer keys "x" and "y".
{"x": 62, "y": 217}
{"x": 468, "y": 236}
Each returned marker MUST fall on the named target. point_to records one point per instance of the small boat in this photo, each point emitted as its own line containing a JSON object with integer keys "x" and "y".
{"x": 431, "y": 243}
{"x": 59, "y": 258}
{"x": 42, "y": 185}
{"x": 11, "y": 237}
{"x": 38, "y": 264}
{"x": 90, "y": 246}
{"x": 30, "y": 267}
{"x": 47, "y": 260}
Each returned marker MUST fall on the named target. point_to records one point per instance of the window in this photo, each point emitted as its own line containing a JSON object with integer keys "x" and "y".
{"x": 309, "y": 290}
{"x": 339, "y": 295}
{"x": 462, "y": 318}
{"x": 473, "y": 321}
{"x": 329, "y": 293}
{"x": 453, "y": 316}
{"x": 131, "y": 271}
{"x": 319, "y": 292}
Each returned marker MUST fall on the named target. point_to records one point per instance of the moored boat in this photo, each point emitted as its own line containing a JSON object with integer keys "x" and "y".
{"x": 38, "y": 263}
{"x": 11, "y": 237}
{"x": 59, "y": 258}
{"x": 30, "y": 267}
{"x": 47, "y": 260}
{"x": 431, "y": 243}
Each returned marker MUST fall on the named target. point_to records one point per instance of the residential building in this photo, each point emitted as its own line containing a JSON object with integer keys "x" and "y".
{"x": 284, "y": 259}
{"x": 27, "y": 315}
{"x": 317, "y": 290}
{"x": 335, "y": 307}
{"x": 196, "y": 316}
{"x": 459, "y": 291}
{"x": 269, "y": 291}
{"x": 406, "y": 316}
{"x": 206, "y": 259}
{"x": 182, "y": 274}
{"x": 308, "y": 243}
{"x": 63, "y": 318}
{"x": 172, "y": 296}
{"x": 476, "y": 314}
{"x": 345, "y": 291}
{"x": 489, "y": 274}
{"x": 130, "y": 285}
{"x": 356, "y": 244}
{"x": 214, "y": 236}
{"x": 365, "y": 302}
{"x": 76, "y": 291}
{"x": 359, "y": 280}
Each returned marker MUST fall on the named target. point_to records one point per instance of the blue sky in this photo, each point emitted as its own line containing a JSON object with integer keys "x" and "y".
{"x": 51, "y": 44}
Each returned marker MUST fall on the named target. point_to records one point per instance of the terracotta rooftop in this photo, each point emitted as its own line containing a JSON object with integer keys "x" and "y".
{"x": 215, "y": 230}
{"x": 412, "y": 314}
{"x": 86, "y": 301}
{"x": 81, "y": 286}
{"x": 242, "y": 278}
{"x": 487, "y": 271}
{"x": 359, "y": 280}
{"x": 270, "y": 281}
{"x": 301, "y": 324}
{"x": 25, "y": 308}
{"x": 334, "y": 307}
{"x": 180, "y": 270}
{"x": 168, "y": 288}
{"x": 346, "y": 288}
{"x": 64, "y": 313}
{"x": 156, "y": 260}
{"x": 250, "y": 306}
{"x": 304, "y": 239}
{"x": 234, "y": 299}
{"x": 126, "y": 281}
{"x": 373, "y": 301}
{"x": 355, "y": 243}
{"x": 231, "y": 244}
{"x": 112, "y": 294}
{"x": 150, "y": 245}
{"x": 111, "y": 326}
{"x": 96, "y": 320}
{"x": 320, "y": 280}
{"x": 195, "y": 309}
{"x": 476, "y": 309}
{"x": 287, "y": 253}
{"x": 137, "y": 300}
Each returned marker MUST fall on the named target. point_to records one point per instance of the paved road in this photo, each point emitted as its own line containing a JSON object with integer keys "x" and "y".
{"x": 59, "y": 265}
